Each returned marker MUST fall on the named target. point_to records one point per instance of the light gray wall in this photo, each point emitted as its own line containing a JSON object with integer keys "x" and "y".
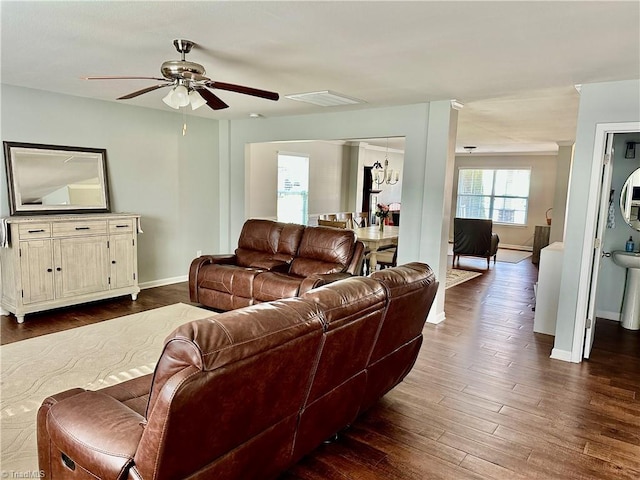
{"x": 609, "y": 102}
{"x": 611, "y": 280}
{"x": 559, "y": 214}
{"x": 153, "y": 170}
{"x": 541, "y": 191}
{"x": 326, "y": 176}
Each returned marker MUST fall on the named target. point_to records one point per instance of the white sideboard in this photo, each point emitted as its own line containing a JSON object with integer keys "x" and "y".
{"x": 55, "y": 261}
{"x": 548, "y": 292}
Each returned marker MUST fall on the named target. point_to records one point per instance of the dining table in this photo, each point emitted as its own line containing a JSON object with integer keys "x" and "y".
{"x": 374, "y": 239}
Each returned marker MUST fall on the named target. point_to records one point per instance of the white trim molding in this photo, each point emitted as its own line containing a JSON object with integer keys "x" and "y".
{"x": 599, "y": 145}
{"x": 435, "y": 319}
{"x": 163, "y": 281}
{"x": 564, "y": 355}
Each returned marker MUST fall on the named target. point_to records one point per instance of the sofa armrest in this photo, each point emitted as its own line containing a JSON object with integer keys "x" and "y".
{"x": 315, "y": 281}
{"x": 44, "y": 452}
{"x": 97, "y": 432}
{"x": 197, "y": 263}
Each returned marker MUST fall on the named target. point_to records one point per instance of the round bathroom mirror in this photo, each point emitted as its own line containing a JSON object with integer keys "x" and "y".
{"x": 630, "y": 200}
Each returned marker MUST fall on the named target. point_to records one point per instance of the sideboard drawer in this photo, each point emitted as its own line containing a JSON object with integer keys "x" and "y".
{"x": 29, "y": 231}
{"x": 121, "y": 226}
{"x": 70, "y": 229}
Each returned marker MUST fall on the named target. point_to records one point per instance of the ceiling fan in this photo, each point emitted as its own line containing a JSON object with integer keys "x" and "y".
{"x": 189, "y": 84}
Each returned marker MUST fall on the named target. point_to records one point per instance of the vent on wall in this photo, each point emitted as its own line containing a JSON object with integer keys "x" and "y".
{"x": 325, "y": 98}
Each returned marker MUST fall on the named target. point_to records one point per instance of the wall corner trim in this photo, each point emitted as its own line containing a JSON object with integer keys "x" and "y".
{"x": 564, "y": 355}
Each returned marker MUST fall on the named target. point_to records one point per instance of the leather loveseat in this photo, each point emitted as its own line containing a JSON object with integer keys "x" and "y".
{"x": 274, "y": 260}
{"x": 244, "y": 394}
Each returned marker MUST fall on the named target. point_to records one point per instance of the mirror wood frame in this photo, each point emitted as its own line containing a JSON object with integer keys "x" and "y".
{"x": 17, "y": 207}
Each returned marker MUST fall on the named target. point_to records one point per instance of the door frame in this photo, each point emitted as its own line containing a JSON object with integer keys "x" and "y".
{"x": 586, "y": 264}
{"x": 606, "y": 170}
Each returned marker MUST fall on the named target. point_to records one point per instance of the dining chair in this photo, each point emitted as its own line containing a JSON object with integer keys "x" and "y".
{"x": 346, "y": 217}
{"x": 361, "y": 219}
{"x": 332, "y": 223}
{"x": 387, "y": 258}
{"x": 328, "y": 216}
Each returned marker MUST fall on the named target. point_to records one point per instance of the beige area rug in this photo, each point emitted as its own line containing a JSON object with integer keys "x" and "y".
{"x": 511, "y": 256}
{"x": 504, "y": 254}
{"x": 456, "y": 276}
{"x": 91, "y": 357}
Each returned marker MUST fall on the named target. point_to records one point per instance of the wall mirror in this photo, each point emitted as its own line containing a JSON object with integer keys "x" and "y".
{"x": 630, "y": 200}
{"x": 56, "y": 179}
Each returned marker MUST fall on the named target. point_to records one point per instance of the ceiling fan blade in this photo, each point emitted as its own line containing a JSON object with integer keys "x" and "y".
{"x": 242, "y": 89}
{"x": 144, "y": 90}
{"x": 212, "y": 99}
{"x": 114, "y": 77}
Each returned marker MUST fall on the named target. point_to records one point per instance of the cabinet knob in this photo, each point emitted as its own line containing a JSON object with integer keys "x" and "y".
{"x": 113, "y": 261}
{"x": 49, "y": 269}
{"x": 58, "y": 269}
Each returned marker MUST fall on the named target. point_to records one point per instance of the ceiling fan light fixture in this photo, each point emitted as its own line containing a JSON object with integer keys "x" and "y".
{"x": 196, "y": 100}
{"x": 181, "y": 95}
{"x": 170, "y": 100}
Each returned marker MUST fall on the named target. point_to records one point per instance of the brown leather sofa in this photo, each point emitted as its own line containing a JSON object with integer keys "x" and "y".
{"x": 244, "y": 394}
{"x": 274, "y": 260}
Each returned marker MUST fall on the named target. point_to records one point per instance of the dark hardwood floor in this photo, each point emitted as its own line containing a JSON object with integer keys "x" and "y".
{"x": 484, "y": 400}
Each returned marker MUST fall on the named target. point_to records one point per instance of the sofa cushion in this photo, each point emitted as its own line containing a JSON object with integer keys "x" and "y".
{"x": 323, "y": 250}
{"x": 264, "y": 241}
{"x": 229, "y": 279}
{"x": 270, "y": 286}
{"x": 258, "y": 236}
{"x": 289, "y": 241}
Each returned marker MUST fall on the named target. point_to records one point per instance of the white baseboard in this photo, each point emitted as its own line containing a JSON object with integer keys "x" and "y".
{"x": 163, "y": 281}
{"x": 523, "y": 248}
{"x": 436, "y": 318}
{"x": 615, "y": 316}
{"x": 564, "y": 355}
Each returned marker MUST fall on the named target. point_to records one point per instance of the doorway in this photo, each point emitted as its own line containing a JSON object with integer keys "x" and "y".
{"x": 603, "y": 292}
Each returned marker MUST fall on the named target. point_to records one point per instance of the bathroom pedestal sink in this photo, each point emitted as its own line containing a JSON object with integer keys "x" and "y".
{"x": 631, "y": 303}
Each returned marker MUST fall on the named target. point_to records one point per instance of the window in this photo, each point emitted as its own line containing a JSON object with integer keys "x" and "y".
{"x": 499, "y": 194}
{"x": 293, "y": 188}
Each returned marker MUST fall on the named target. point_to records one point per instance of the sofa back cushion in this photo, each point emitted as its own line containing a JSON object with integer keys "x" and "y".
{"x": 289, "y": 241}
{"x": 323, "y": 250}
{"x": 213, "y": 392}
{"x": 352, "y": 311}
{"x": 264, "y": 243}
{"x": 411, "y": 290}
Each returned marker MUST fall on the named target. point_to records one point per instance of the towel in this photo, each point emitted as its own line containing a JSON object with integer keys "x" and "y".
{"x": 611, "y": 217}
{"x": 4, "y": 232}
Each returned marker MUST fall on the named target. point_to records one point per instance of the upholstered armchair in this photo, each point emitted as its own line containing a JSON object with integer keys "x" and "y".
{"x": 474, "y": 237}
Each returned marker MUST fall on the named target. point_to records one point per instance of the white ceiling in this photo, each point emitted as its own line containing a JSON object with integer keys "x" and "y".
{"x": 512, "y": 64}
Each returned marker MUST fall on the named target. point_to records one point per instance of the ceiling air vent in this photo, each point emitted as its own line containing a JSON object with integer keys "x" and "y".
{"x": 325, "y": 98}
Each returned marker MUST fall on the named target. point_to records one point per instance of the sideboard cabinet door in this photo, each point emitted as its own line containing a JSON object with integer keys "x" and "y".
{"x": 36, "y": 271}
{"x": 81, "y": 265}
{"x": 122, "y": 253}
